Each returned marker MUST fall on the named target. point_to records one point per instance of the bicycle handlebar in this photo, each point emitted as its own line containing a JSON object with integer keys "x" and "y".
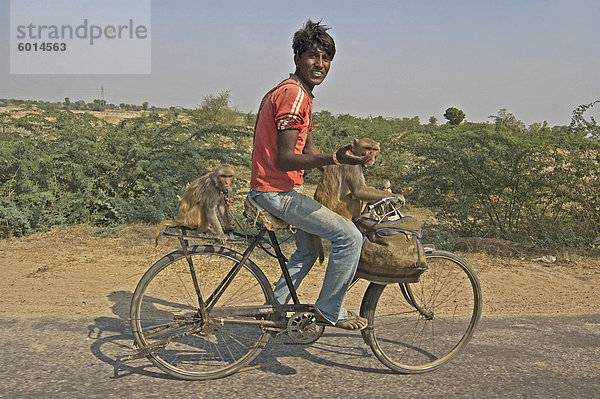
{"x": 383, "y": 201}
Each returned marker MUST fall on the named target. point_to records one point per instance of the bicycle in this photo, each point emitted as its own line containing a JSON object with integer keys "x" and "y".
{"x": 205, "y": 311}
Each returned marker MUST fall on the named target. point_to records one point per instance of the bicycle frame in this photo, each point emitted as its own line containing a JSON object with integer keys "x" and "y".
{"x": 209, "y": 327}
{"x": 227, "y": 315}
{"x": 261, "y": 312}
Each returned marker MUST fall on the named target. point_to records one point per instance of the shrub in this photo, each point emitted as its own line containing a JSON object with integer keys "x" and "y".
{"x": 63, "y": 168}
{"x": 505, "y": 180}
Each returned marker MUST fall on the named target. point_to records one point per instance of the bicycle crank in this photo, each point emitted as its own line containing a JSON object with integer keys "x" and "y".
{"x": 301, "y": 328}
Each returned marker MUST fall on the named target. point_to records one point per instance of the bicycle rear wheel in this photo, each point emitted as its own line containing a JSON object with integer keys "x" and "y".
{"x": 167, "y": 324}
{"x": 417, "y": 327}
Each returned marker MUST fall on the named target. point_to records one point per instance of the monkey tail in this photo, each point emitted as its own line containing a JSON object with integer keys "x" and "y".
{"x": 320, "y": 249}
{"x": 161, "y": 228}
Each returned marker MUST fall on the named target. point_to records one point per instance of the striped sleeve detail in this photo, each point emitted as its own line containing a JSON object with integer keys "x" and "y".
{"x": 293, "y": 118}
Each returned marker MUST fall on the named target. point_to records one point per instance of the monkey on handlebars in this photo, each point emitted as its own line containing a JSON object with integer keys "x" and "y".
{"x": 343, "y": 189}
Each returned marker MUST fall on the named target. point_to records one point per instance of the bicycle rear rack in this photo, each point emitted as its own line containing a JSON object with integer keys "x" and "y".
{"x": 187, "y": 233}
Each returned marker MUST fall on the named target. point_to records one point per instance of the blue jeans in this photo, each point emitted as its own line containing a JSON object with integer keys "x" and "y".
{"x": 313, "y": 219}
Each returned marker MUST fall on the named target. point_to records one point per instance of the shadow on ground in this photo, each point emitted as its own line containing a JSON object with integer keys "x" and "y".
{"x": 113, "y": 343}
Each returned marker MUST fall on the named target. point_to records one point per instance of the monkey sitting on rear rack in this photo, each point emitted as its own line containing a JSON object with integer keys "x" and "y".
{"x": 203, "y": 207}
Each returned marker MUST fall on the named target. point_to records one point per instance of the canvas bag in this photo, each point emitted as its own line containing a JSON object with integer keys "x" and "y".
{"x": 392, "y": 251}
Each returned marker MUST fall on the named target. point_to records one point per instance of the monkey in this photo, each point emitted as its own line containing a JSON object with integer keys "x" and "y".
{"x": 203, "y": 206}
{"x": 343, "y": 189}
{"x": 390, "y": 208}
{"x": 387, "y": 186}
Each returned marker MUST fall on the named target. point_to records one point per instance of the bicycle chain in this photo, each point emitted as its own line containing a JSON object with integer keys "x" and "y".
{"x": 273, "y": 334}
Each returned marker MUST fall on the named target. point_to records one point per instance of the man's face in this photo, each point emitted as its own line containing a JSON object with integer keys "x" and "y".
{"x": 312, "y": 66}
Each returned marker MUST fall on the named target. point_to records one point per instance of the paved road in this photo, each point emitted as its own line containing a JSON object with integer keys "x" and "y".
{"x": 509, "y": 357}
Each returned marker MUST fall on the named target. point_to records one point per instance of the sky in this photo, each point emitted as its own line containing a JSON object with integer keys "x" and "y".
{"x": 539, "y": 59}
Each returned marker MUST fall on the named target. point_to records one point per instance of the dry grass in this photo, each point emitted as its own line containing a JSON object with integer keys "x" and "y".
{"x": 76, "y": 272}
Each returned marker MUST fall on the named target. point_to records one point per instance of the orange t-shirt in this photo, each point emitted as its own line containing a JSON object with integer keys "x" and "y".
{"x": 287, "y": 106}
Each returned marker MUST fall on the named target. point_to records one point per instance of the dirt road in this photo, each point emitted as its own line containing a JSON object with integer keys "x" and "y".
{"x": 73, "y": 271}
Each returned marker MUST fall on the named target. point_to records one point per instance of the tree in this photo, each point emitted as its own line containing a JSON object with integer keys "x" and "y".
{"x": 507, "y": 122}
{"x": 145, "y": 105}
{"x": 4, "y": 116}
{"x": 580, "y": 124}
{"x": 80, "y": 104}
{"x": 216, "y": 110}
{"x": 454, "y": 115}
{"x": 432, "y": 121}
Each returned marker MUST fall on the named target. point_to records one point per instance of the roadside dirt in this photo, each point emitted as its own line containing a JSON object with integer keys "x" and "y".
{"x": 77, "y": 272}
{"x": 80, "y": 271}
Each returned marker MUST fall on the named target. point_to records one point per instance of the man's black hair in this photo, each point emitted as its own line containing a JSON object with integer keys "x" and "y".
{"x": 313, "y": 34}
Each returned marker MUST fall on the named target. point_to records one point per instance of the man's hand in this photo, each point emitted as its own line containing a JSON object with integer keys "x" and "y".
{"x": 345, "y": 155}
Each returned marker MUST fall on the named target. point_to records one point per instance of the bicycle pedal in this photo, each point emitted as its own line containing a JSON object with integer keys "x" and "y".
{"x": 120, "y": 359}
{"x": 276, "y": 331}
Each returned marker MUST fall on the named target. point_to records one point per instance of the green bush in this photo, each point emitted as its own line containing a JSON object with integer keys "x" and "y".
{"x": 505, "y": 180}
{"x": 500, "y": 179}
{"x": 63, "y": 168}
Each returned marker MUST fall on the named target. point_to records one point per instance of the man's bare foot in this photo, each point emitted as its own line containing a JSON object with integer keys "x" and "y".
{"x": 353, "y": 322}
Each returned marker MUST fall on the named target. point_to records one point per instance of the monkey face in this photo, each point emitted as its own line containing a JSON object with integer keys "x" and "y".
{"x": 366, "y": 146}
{"x": 223, "y": 177}
{"x": 226, "y": 181}
{"x": 374, "y": 153}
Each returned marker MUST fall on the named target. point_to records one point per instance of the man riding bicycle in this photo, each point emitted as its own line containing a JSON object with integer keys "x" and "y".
{"x": 283, "y": 148}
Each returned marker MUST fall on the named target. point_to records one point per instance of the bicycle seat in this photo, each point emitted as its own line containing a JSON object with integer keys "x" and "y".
{"x": 257, "y": 214}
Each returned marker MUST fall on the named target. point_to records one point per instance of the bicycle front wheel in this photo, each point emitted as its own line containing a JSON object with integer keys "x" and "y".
{"x": 167, "y": 324}
{"x": 417, "y": 327}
